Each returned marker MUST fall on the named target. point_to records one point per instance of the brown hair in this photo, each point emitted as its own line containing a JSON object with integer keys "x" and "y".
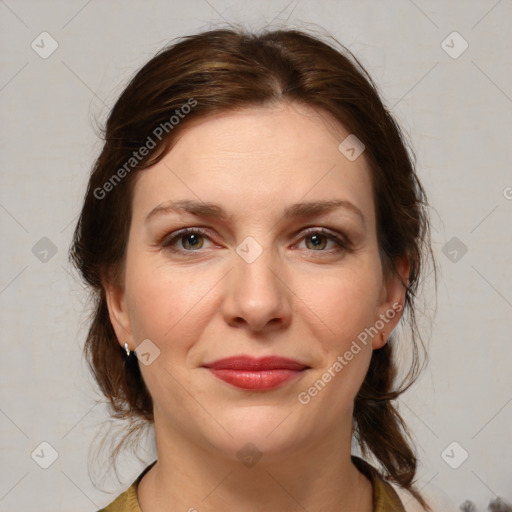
{"x": 223, "y": 70}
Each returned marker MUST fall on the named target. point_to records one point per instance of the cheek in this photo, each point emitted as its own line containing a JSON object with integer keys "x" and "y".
{"x": 343, "y": 304}
{"x": 340, "y": 309}
{"x": 166, "y": 305}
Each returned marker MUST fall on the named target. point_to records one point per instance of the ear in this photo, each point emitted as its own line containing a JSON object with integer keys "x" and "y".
{"x": 118, "y": 313}
{"x": 392, "y": 300}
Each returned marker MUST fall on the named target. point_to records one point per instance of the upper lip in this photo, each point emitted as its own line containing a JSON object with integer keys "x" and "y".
{"x": 254, "y": 364}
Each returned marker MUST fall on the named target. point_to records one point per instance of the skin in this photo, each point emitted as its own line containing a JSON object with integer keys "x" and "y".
{"x": 298, "y": 299}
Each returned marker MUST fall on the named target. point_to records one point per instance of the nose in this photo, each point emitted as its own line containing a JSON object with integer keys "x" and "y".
{"x": 257, "y": 296}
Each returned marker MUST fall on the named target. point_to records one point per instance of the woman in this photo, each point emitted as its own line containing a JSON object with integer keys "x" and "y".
{"x": 254, "y": 230}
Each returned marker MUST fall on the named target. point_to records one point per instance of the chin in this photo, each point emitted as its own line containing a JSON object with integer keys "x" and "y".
{"x": 265, "y": 430}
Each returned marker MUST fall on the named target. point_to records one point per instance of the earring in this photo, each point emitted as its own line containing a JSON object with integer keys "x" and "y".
{"x": 382, "y": 338}
{"x": 127, "y": 349}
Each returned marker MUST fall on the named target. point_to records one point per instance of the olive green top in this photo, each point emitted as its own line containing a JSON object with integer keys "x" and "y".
{"x": 385, "y": 499}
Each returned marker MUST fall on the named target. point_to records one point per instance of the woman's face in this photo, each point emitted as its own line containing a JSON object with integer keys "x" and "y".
{"x": 259, "y": 280}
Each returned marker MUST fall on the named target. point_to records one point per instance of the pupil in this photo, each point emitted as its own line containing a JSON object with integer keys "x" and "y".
{"x": 317, "y": 241}
{"x": 191, "y": 240}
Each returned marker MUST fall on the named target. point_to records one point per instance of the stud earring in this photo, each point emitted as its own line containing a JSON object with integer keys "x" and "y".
{"x": 127, "y": 349}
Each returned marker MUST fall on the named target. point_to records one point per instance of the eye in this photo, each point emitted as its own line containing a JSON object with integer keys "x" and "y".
{"x": 317, "y": 240}
{"x": 190, "y": 240}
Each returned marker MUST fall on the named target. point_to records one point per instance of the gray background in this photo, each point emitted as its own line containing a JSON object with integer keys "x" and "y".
{"x": 457, "y": 114}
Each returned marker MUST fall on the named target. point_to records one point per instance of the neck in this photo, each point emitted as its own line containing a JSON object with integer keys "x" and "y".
{"x": 191, "y": 477}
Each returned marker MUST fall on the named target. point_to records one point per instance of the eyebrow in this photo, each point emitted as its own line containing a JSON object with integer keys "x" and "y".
{"x": 212, "y": 210}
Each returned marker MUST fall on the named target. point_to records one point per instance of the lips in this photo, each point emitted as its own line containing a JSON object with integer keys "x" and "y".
{"x": 256, "y": 373}
{"x": 255, "y": 364}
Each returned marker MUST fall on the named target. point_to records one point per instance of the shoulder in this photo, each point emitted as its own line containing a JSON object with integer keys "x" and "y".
{"x": 127, "y": 501}
{"x": 389, "y": 497}
{"x": 436, "y": 498}
{"x": 385, "y": 498}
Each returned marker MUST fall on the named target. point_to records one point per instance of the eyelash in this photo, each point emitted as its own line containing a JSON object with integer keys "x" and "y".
{"x": 341, "y": 242}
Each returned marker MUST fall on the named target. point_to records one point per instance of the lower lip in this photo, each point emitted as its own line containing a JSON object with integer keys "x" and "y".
{"x": 260, "y": 379}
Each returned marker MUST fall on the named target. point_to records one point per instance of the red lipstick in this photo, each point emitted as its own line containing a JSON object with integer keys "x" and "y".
{"x": 256, "y": 373}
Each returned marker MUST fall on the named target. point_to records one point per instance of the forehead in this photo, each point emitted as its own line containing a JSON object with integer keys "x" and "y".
{"x": 250, "y": 158}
